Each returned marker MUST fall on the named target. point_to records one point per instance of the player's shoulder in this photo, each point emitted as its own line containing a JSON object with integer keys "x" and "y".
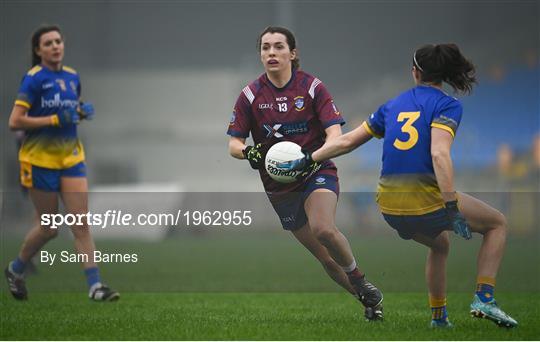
{"x": 35, "y": 70}
{"x": 69, "y": 70}
{"x": 253, "y": 88}
{"x": 308, "y": 82}
{"x": 304, "y": 77}
{"x": 398, "y": 99}
{"x": 447, "y": 101}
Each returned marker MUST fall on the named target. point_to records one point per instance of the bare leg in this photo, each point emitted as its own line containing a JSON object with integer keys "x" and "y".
{"x": 306, "y": 237}
{"x": 436, "y": 263}
{"x": 75, "y": 198}
{"x": 45, "y": 203}
{"x": 491, "y": 224}
{"x": 320, "y": 208}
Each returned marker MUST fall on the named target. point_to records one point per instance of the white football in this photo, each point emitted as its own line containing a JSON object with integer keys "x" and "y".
{"x": 283, "y": 151}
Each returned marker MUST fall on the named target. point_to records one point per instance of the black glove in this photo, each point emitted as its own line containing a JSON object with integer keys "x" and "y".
{"x": 309, "y": 170}
{"x": 254, "y": 156}
{"x": 459, "y": 224}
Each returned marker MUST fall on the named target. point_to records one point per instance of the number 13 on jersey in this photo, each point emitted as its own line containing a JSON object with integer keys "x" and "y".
{"x": 409, "y": 118}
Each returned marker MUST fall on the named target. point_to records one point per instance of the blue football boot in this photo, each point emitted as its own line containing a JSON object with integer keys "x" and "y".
{"x": 491, "y": 311}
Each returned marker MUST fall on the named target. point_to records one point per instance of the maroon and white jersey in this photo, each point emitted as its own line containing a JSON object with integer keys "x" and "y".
{"x": 299, "y": 112}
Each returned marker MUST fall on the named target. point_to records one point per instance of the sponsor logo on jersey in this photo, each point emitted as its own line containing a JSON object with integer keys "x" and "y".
{"x": 61, "y": 83}
{"x": 47, "y": 86}
{"x": 57, "y": 102}
{"x": 73, "y": 86}
{"x": 280, "y": 130}
{"x": 273, "y": 131}
{"x": 266, "y": 106}
{"x": 280, "y": 99}
{"x": 299, "y": 103}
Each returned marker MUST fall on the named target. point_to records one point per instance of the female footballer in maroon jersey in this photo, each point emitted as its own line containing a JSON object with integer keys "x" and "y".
{"x": 287, "y": 104}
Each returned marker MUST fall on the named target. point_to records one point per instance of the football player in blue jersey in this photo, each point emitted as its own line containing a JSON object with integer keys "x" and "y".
{"x": 416, "y": 193}
{"x": 48, "y": 109}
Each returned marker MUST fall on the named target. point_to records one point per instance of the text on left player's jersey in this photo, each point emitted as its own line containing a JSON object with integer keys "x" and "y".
{"x": 46, "y": 92}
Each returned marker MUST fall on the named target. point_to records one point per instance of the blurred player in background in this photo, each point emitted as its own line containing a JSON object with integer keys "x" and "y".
{"x": 287, "y": 104}
{"x": 416, "y": 192}
{"x": 48, "y": 109}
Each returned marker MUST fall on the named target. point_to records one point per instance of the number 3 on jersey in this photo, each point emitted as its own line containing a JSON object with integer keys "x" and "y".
{"x": 409, "y": 118}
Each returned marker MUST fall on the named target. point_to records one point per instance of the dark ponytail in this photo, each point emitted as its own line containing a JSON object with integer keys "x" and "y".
{"x": 36, "y": 36}
{"x": 445, "y": 63}
{"x": 291, "y": 41}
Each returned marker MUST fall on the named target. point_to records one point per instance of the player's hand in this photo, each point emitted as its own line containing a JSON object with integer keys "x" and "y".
{"x": 86, "y": 110}
{"x": 305, "y": 165}
{"x": 297, "y": 164}
{"x": 459, "y": 224}
{"x": 254, "y": 156}
{"x": 66, "y": 116}
{"x": 308, "y": 171}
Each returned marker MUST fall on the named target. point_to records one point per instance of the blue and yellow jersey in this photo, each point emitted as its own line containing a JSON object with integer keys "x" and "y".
{"x": 46, "y": 92}
{"x": 407, "y": 185}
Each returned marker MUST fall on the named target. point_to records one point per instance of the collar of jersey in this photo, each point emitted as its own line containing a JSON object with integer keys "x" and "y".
{"x": 293, "y": 75}
{"x": 431, "y": 87}
{"x": 51, "y": 70}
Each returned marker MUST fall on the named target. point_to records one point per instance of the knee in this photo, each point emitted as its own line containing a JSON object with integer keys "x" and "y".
{"x": 500, "y": 223}
{"x": 325, "y": 235}
{"x": 442, "y": 246}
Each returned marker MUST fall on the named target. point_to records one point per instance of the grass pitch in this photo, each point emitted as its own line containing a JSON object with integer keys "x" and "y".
{"x": 253, "y": 316}
{"x": 253, "y": 287}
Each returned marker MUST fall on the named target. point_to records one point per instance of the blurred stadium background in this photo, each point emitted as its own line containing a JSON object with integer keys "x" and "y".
{"x": 164, "y": 76}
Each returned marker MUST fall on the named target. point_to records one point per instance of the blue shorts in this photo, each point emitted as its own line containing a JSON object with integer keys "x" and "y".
{"x": 430, "y": 224}
{"x": 290, "y": 206}
{"x": 41, "y": 178}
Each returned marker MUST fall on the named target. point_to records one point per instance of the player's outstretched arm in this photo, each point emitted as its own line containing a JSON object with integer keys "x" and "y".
{"x": 341, "y": 144}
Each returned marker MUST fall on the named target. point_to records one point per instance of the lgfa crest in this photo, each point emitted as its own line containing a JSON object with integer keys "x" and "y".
{"x": 299, "y": 103}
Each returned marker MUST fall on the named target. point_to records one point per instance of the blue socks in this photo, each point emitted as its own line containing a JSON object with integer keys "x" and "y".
{"x": 484, "y": 288}
{"x": 18, "y": 266}
{"x": 92, "y": 276}
{"x": 438, "y": 309}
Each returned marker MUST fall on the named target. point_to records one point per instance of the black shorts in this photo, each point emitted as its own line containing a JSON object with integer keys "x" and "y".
{"x": 430, "y": 224}
{"x": 290, "y": 206}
